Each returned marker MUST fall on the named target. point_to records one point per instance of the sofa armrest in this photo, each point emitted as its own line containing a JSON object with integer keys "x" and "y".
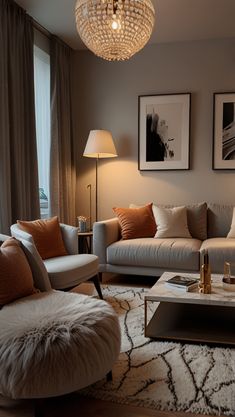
{"x": 70, "y": 238}
{"x": 104, "y": 233}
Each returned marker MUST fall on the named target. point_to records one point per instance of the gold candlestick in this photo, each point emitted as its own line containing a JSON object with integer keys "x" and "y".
{"x": 205, "y": 276}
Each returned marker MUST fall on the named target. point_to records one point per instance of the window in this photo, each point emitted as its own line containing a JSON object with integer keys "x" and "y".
{"x": 43, "y": 124}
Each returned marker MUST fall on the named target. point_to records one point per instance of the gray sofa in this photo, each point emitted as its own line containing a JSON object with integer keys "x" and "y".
{"x": 208, "y": 224}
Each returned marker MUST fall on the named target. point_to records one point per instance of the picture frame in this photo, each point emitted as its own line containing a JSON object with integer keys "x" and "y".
{"x": 223, "y": 131}
{"x": 164, "y": 132}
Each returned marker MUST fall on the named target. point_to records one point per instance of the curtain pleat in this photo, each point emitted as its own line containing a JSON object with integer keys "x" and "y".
{"x": 18, "y": 153}
{"x": 62, "y": 165}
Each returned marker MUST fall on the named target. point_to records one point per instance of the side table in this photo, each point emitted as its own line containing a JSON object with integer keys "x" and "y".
{"x": 85, "y": 242}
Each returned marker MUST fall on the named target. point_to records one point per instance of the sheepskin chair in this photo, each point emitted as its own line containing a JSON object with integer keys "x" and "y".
{"x": 54, "y": 343}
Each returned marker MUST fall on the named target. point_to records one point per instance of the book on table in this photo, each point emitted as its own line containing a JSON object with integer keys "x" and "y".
{"x": 182, "y": 283}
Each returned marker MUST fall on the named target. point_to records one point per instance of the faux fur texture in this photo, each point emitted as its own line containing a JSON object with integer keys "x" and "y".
{"x": 54, "y": 343}
{"x": 164, "y": 375}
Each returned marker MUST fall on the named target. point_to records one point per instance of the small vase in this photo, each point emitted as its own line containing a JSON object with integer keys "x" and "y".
{"x": 82, "y": 226}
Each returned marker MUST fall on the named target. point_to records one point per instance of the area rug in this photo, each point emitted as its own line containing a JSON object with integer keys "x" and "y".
{"x": 164, "y": 375}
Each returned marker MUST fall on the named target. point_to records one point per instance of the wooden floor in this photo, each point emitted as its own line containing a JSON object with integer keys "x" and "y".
{"x": 74, "y": 406}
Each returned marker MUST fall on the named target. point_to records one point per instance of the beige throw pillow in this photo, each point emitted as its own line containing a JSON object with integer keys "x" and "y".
{"x": 231, "y": 233}
{"x": 171, "y": 222}
{"x": 196, "y": 218}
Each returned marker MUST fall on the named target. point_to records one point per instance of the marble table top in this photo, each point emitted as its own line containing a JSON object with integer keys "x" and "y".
{"x": 161, "y": 292}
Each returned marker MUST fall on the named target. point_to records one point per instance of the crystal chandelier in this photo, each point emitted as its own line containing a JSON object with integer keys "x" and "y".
{"x": 114, "y": 29}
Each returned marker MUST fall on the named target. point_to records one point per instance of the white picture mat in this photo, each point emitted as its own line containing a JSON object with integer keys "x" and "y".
{"x": 219, "y": 100}
{"x": 178, "y": 126}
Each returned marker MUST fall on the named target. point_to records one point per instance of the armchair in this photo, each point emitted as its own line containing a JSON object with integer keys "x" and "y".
{"x": 69, "y": 270}
{"x": 53, "y": 342}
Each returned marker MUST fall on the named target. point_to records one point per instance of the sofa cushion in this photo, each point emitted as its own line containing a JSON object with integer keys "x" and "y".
{"x": 78, "y": 268}
{"x": 197, "y": 220}
{"x": 16, "y": 279}
{"x": 196, "y": 217}
{"x": 46, "y": 235}
{"x": 175, "y": 253}
{"x": 136, "y": 222}
{"x": 219, "y": 219}
{"x": 231, "y": 233}
{"x": 219, "y": 250}
{"x": 171, "y": 222}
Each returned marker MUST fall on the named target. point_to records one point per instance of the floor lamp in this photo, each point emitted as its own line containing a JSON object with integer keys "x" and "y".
{"x": 99, "y": 145}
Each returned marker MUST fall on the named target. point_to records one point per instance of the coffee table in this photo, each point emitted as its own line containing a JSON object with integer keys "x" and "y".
{"x": 191, "y": 316}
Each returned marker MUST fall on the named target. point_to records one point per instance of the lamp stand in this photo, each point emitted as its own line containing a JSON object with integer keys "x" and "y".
{"x": 89, "y": 186}
{"x": 99, "y": 145}
{"x": 96, "y": 189}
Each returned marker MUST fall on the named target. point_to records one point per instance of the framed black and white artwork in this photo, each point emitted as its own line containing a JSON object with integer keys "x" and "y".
{"x": 224, "y": 131}
{"x": 164, "y": 132}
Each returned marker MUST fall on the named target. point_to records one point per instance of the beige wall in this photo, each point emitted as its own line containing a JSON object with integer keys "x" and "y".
{"x": 105, "y": 95}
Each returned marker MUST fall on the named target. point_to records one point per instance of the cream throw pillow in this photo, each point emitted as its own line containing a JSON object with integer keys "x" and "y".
{"x": 196, "y": 218}
{"x": 231, "y": 233}
{"x": 171, "y": 222}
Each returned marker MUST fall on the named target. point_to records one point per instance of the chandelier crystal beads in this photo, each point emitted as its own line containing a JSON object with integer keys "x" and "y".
{"x": 114, "y": 29}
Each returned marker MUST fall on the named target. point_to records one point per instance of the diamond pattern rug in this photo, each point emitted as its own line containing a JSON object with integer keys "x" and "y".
{"x": 164, "y": 375}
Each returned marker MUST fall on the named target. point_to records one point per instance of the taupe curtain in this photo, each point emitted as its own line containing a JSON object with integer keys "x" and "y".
{"x": 62, "y": 166}
{"x": 19, "y": 198}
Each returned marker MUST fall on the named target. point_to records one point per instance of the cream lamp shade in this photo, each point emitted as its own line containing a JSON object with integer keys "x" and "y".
{"x": 100, "y": 145}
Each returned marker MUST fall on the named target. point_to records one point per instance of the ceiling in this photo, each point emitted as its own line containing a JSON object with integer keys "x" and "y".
{"x": 176, "y": 20}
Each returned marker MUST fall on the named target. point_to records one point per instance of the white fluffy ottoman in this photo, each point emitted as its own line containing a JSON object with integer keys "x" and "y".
{"x": 54, "y": 343}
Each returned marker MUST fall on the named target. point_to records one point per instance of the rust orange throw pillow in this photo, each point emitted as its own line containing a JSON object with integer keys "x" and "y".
{"x": 16, "y": 278}
{"x": 136, "y": 222}
{"x": 46, "y": 235}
